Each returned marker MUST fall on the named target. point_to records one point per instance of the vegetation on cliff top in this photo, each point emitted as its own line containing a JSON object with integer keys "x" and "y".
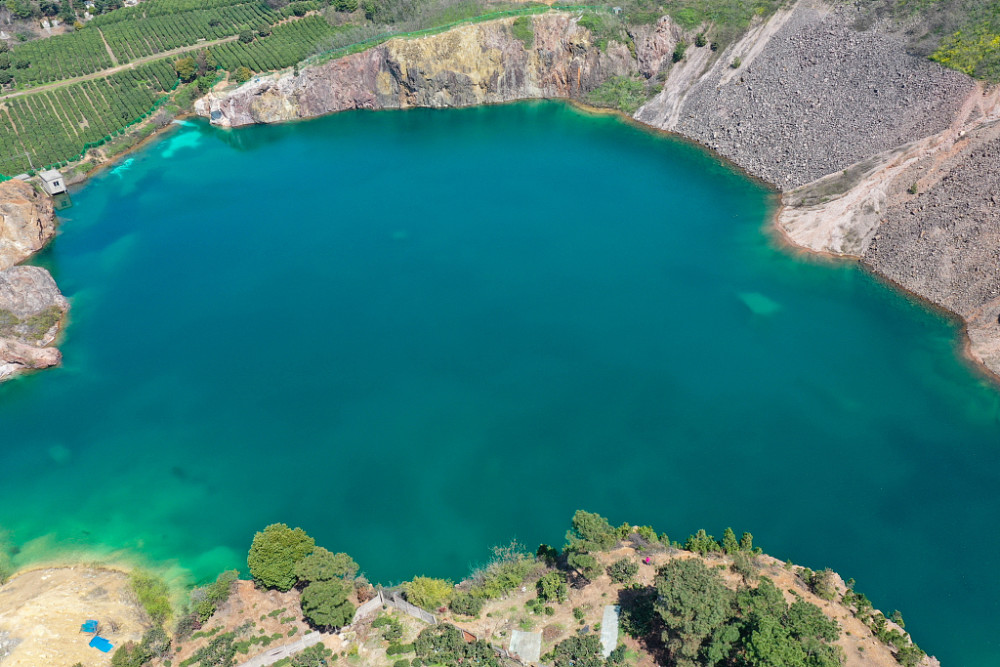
{"x": 709, "y": 603}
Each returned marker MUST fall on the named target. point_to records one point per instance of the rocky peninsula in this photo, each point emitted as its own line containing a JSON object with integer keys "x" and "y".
{"x": 878, "y": 155}
{"x": 32, "y": 309}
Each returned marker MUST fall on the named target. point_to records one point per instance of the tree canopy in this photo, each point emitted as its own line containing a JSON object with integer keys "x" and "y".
{"x": 590, "y": 532}
{"x": 324, "y": 565}
{"x": 274, "y": 554}
{"x": 326, "y": 604}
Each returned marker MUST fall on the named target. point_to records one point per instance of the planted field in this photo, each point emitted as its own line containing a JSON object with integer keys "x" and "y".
{"x": 287, "y": 45}
{"x": 134, "y": 39}
{"x": 153, "y": 27}
{"x": 60, "y": 57}
{"x": 44, "y": 129}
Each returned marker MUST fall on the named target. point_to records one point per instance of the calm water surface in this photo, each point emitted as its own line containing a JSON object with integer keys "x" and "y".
{"x": 418, "y": 334}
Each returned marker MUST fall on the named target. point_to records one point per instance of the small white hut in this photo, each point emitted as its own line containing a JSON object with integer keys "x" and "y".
{"x": 53, "y": 182}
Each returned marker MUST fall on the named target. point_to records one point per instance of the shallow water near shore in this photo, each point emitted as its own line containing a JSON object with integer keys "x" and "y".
{"x": 418, "y": 334}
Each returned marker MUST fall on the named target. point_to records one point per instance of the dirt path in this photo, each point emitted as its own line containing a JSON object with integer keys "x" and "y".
{"x": 276, "y": 654}
{"x": 114, "y": 70}
{"x": 114, "y": 60}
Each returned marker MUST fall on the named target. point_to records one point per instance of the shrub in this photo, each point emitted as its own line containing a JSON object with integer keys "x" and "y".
{"x": 625, "y": 93}
{"x": 552, "y": 587}
{"x": 152, "y": 594}
{"x": 700, "y": 40}
{"x": 821, "y": 583}
{"x": 242, "y": 74}
{"x": 207, "y": 599}
{"x": 679, "y": 51}
{"x": 623, "y": 571}
{"x": 467, "y": 604}
{"x": 585, "y": 564}
{"x": 393, "y": 629}
{"x": 401, "y": 663}
{"x": 428, "y": 592}
{"x": 737, "y": 61}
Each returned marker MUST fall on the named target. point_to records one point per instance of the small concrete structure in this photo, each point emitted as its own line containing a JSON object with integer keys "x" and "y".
{"x": 53, "y": 182}
{"x": 526, "y": 645}
{"x": 609, "y": 629}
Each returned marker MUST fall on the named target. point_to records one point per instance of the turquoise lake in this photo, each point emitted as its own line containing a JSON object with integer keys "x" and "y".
{"x": 419, "y": 334}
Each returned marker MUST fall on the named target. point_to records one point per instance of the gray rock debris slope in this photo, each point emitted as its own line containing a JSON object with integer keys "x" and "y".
{"x": 817, "y": 98}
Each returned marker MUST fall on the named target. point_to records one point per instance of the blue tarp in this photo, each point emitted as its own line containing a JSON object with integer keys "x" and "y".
{"x": 101, "y": 644}
{"x": 89, "y": 626}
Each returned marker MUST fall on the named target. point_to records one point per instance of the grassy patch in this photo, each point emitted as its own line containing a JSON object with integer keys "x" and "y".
{"x": 523, "y": 29}
{"x": 31, "y": 328}
{"x": 624, "y": 93}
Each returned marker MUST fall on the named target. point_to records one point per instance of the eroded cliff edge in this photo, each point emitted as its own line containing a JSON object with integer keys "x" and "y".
{"x": 31, "y": 307}
{"x": 878, "y": 154}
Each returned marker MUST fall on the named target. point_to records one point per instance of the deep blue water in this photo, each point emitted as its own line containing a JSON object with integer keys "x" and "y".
{"x": 419, "y": 334}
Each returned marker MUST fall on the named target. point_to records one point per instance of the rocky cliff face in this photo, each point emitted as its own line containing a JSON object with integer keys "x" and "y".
{"x": 31, "y": 311}
{"x": 475, "y": 64}
{"x": 842, "y": 121}
{"x": 31, "y": 306}
{"x": 26, "y": 222}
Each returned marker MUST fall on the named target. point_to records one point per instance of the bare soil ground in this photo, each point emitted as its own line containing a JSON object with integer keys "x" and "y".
{"x": 41, "y": 612}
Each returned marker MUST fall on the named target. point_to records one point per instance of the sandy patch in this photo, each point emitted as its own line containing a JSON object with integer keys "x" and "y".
{"x": 41, "y": 612}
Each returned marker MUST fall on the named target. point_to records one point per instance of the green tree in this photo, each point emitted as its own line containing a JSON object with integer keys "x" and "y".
{"x": 591, "y": 532}
{"x": 242, "y": 74}
{"x": 323, "y": 565}
{"x": 187, "y": 69}
{"x": 428, "y": 592}
{"x": 702, "y": 543}
{"x": 729, "y": 543}
{"x": 693, "y": 603}
{"x": 552, "y": 587}
{"x": 275, "y": 553}
{"x": 246, "y": 36}
{"x": 910, "y": 655}
{"x": 585, "y": 564}
{"x": 345, "y": 5}
{"x": 746, "y": 542}
{"x": 326, "y": 604}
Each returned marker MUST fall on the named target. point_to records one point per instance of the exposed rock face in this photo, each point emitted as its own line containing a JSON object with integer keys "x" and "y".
{"x": 475, "y": 64}
{"x": 843, "y": 121}
{"x": 31, "y": 310}
{"x": 26, "y": 222}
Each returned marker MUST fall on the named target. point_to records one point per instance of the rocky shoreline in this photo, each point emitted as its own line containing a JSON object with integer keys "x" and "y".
{"x": 879, "y": 155}
{"x": 32, "y": 310}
